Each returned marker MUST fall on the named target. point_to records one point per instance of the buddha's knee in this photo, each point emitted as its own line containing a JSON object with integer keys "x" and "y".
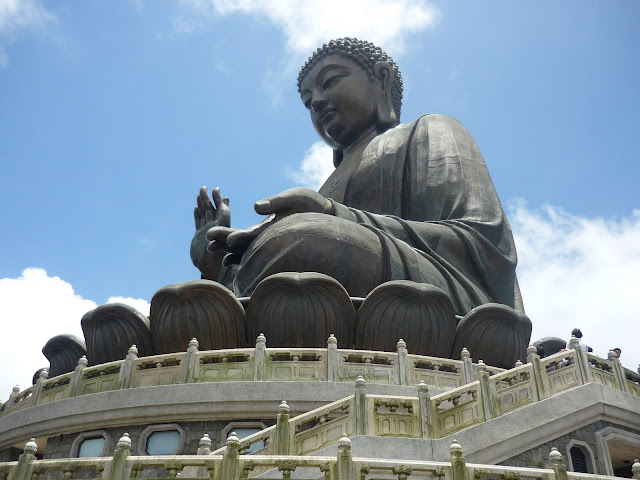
{"x": 314, "y": 242}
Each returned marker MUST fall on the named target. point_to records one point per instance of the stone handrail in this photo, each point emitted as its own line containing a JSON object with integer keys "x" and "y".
{"x": 232, "y": 465}
{"x": 250, "y": 364}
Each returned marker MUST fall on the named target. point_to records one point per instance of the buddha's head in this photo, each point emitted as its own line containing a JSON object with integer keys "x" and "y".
{"x": 351, "y": 88}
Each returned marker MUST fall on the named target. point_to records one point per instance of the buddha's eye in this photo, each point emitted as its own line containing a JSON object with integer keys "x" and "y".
{"x": 331, "y": 81}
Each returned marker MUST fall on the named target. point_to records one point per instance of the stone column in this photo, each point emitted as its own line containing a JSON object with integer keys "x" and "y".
{"x": 204, "y": 448}
{"x": 10, "y": 405}
{"x": 259, "y": 358}
{"x": 230, "y": 460}
{"x": 618, "y": 371}
{"x": 404, "y": 370}
{"x": 583, "y": 361}
{"x": 635, "y": 469}
{"x": 345, "y": 462}
{"x": 119, "y": 462}
{"x": 458, "y": 465}
{"x": 333, "y": 360}
{"x": 467, "y": 367}
{"x": 191, "y": 370}
{"x": 487, "y": 403}
{"x": 362, "y": 421}
{"x": 76, "y": 378}
{"x": 556, "y": 460}
{"x": 534, "y": 359}
{"x": 23, "y": 469}
{"x": 37, "y": 388}
{"x": 424, "y": 400}
{"x": 127, "y": 367}
{"x": 282, "y": 443}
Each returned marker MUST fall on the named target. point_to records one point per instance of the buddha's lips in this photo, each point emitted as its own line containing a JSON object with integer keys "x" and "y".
{"x": 327, "y": 115}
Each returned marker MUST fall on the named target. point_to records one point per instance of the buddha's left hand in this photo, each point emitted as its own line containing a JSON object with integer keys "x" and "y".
{"x": 295, "y": 200}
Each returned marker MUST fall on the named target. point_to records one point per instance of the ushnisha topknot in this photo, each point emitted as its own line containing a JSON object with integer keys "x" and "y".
{"x": 364, "y": 54}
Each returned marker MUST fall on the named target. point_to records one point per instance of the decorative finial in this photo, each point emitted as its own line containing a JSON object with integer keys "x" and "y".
{"x": 31, "y": 446}
{"x": 574, "y": 342}
{"x": 332, "y": 340}
{"x": 193, "y": 343}
{"x": 44, "y": 374}
{"x": 360, "y": 382}
{"x": 133, "y": 350}
{"x": 555, "y": 457}
{"x": 205, "y": 441}
{"x": 635, "y": 468}
{"x": 82, "y": 361}
{"x": 125, "y": 441}
{"x": 422, "y": 387}
{"x": 283, "y": 408}
{"x": 482, "y": 366}
{"x": 611, "y": 355}
{"x": 344, "y": 442}
{"x": 465, "y": 353}
{"x": 261, "y": 339}
{"x": 401, "y": 344}
{"x": 531, "y": 350}
{"x": 518, "y": 363}
{"x": 455, "y": 449}
{"x": 232, "y": 440}
{"x": 16, "y": 389}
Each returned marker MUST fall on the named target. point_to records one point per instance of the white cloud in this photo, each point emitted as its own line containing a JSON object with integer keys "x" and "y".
{"x": 17, "y": 16}
{"x": 315, "y": 168}
{"x": 33, "y": 308}
{"x": 307, "y": 24}
{"x": 580, "y": 272}
{"x": 141, "y": 305}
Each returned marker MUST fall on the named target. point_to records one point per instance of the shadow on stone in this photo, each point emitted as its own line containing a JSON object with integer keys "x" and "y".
{"x": 202, "y": 309}
{"x": 495, "y": 334}
{"x": 111, "y": 329}
{"x": 419, "y": 313}
{"x": 301, "y": 310}
{"x": 63, "y": 352}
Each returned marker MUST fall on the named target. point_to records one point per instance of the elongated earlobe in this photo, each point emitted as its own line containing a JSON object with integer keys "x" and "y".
{"x": 384, "y": 106}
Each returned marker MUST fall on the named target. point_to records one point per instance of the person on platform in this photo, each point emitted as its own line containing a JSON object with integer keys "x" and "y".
{"x": 406, "y": 201}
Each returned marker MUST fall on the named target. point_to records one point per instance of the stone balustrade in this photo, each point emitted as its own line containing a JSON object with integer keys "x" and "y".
{"x": 233, "y": 465}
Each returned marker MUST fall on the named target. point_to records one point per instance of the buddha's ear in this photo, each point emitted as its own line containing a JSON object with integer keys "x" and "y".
{"x": 386, "y": 114}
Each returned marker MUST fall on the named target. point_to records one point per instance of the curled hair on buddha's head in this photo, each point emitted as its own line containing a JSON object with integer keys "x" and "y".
{"x": 365, "y": 55}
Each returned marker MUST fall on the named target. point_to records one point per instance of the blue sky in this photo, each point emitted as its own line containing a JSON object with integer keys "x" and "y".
{"x": 113, "y": 114}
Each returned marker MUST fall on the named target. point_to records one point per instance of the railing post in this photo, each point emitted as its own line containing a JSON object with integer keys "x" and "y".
{"x": 126, "y": 369}
{"x": 119, "y": 462}
{"x": 191, "y": 370}
{"x": 362, "y": 422}
{"x": 556, "y": 461}
{"x": 617, "y": 370}
{"x": 230, "y": 460}
{"x": 635, "y": 469}
{"x": 22, "y": 471}
{"x": 424, "y": 401}
{"x": 404, "y": 373}
{"x": 534, "y": 359}
{"x": 345, "y": 462}
{"x": 458, "y": 465}
{"x": 332, "y": 359}
{"x": 583, "y": 360}
{"x": 74, "y": 384}
{"x": 259, "y": 358}
{"x": 487, "y": 402}
{"x": 467, "y": 366}
{"x": 10, "y": 403}
{"x": 37, "y": 388}
{"x": 204, "y": 448}
{"x": 282, "y": 443}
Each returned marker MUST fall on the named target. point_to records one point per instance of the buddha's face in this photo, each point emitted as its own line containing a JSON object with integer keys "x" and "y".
{"x": 341, "y": 100}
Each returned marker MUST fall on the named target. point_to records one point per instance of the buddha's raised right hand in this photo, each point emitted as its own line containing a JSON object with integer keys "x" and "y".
{"x": 208, "y": 215}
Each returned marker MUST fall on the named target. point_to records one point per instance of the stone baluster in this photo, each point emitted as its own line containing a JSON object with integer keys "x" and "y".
{"x": 485, "y": 393}
{"x": 76, "y": 378}
{"x": 282, "y": 433}
{"x": 556, "y": 460}
{"x": 458, "y": 465}
{"x": 126, "y": 368}
{"x": 259, "y": 358}
{"x": 119, "y": 462}
{"x": 23, "y": 469}
{"x": 426, "y": 413}
{"x": 362, "y": 421}
{"x": 11, "y": 402}
{"x": 635, "y": 469}
{"x": 538, "y": 374}
{"x": 333, "y": 360}
{"x": 345, "y": 462}
{"x": 467, "y": 367}
{"x": 191, "y": 370}
{"x": 230, "y": 460}
{"x": 583, "y": 360}
{"x": 618, "y": 371}
{"x": 37, "y": 388}
{"x": 404, "y": 370}
{"x": 204, "y": 448}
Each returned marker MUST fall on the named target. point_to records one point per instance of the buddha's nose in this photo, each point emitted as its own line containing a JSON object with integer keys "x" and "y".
{"x": 318, "y": 104}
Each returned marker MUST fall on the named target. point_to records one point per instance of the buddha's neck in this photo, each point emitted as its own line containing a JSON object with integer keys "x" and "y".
{"x": 353, "y": 153}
